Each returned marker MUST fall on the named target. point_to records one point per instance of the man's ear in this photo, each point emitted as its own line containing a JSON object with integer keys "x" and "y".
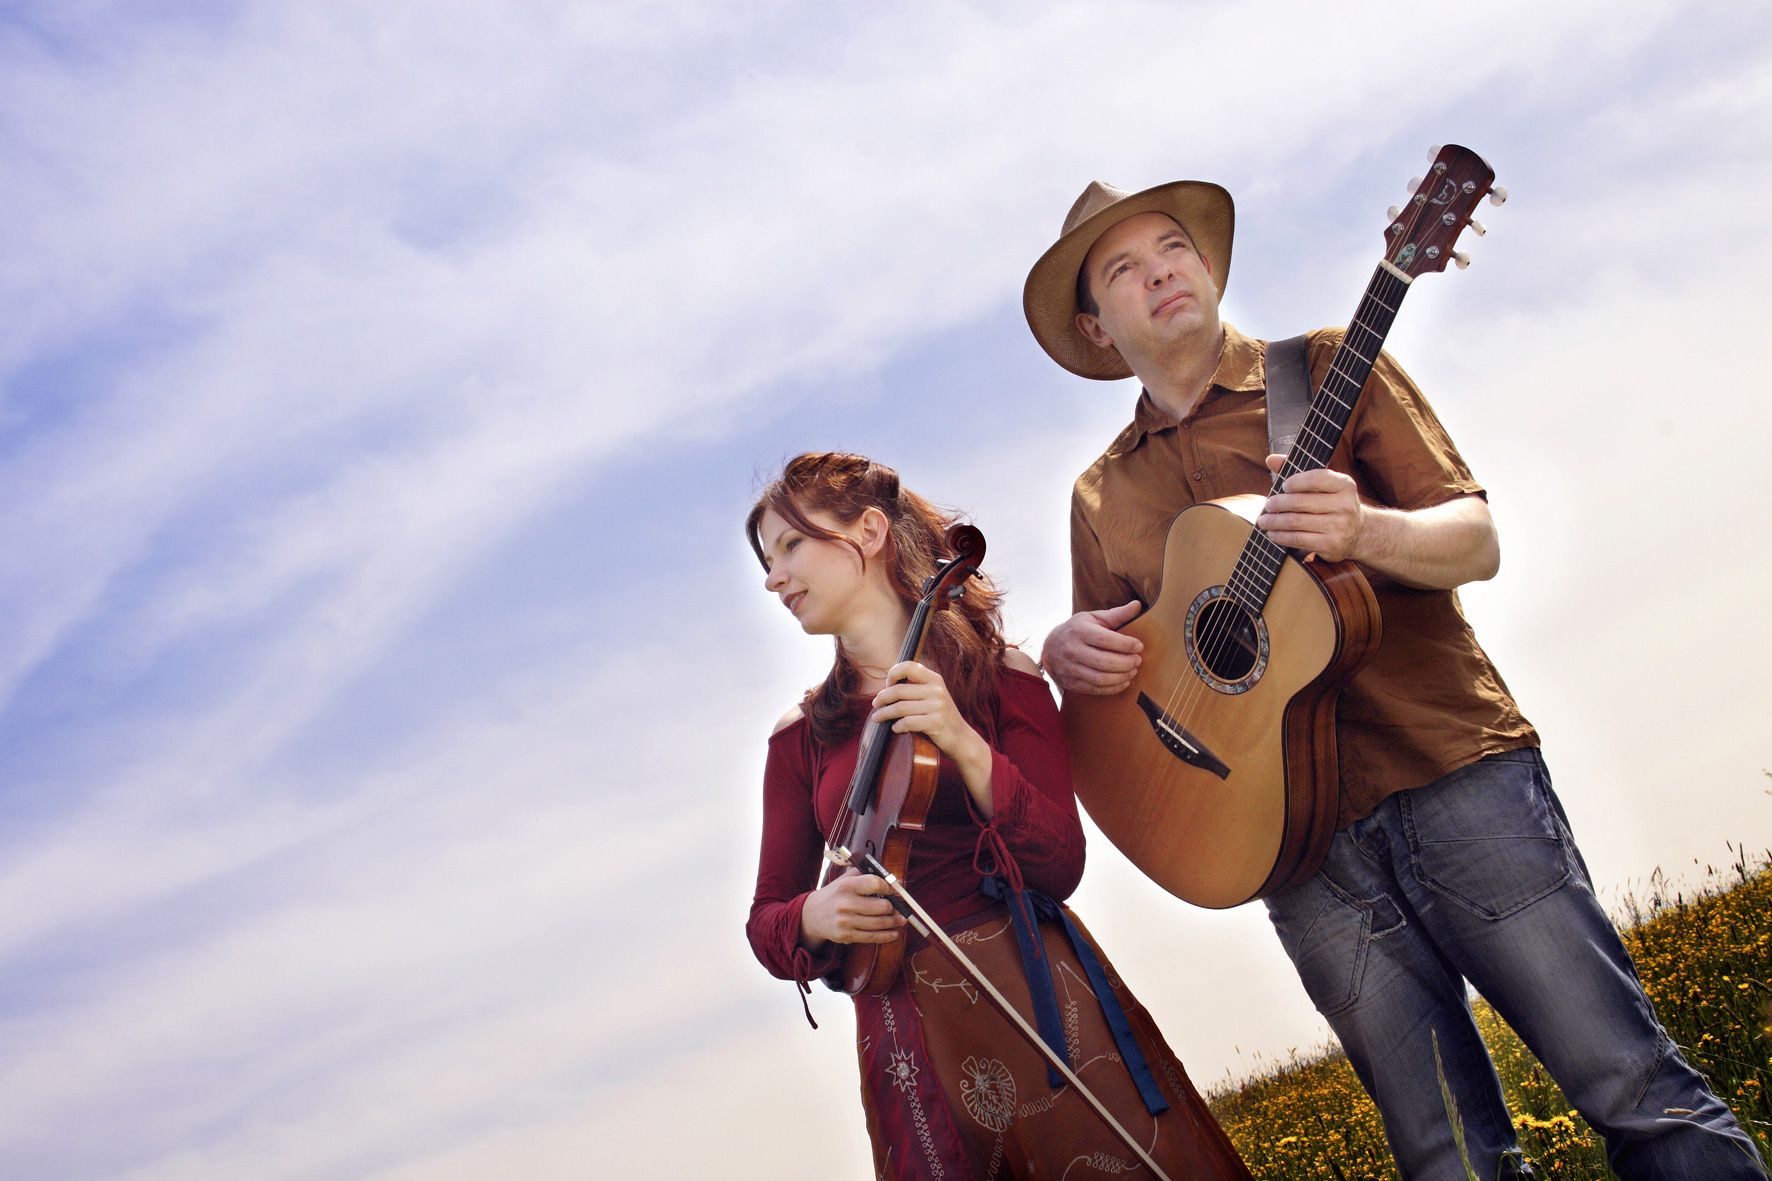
{"x": 1092, "y": 330}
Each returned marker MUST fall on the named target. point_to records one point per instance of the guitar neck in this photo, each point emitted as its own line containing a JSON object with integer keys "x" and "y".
{"x": 1333, "y": 403}
{"x": 1332, "y": 406}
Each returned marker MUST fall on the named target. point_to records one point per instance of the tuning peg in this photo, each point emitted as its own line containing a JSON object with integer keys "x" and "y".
{"x": 1414, "y": 183}
{"x": 1461, "y": 259}
{"x": 1497, "y": 195}
{"x": 1477, "y": 227}
{"x": 1393, "y": 213}
{"x": 1433, "y": 153}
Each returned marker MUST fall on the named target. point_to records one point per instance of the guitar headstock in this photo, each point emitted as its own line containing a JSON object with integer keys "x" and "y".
{"x": 1421, "y": 233}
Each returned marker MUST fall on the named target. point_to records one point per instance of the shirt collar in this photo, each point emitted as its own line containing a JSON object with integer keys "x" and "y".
{"x": 1240, "y": 368}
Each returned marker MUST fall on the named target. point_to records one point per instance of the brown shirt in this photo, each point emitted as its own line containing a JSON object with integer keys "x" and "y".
{"x": 1428, "y": 701}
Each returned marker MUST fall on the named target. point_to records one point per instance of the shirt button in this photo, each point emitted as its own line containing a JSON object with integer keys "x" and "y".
{"x": 1197, "y": 475}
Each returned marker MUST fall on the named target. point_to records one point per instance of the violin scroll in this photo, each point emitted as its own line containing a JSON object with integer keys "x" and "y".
{"x": 966, "y": 543}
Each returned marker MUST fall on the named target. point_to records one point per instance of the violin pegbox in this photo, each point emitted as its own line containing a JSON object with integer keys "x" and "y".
{"x": 966, "y": 543}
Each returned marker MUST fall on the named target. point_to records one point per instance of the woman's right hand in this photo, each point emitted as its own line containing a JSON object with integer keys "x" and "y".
{"x": 849, "y": 909}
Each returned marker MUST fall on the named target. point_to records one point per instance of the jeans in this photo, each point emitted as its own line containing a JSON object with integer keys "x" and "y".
{"x": 1476, "y": 878}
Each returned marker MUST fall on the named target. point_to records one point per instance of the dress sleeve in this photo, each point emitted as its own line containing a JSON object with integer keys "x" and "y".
{"x": 1034, "y": 809}
{"x": 789, "y": 862}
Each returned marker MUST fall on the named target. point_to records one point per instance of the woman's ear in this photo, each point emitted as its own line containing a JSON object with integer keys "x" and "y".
{"x": 875, "y": 529}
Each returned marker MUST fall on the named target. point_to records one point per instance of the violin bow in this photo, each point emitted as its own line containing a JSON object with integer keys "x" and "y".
{"x": 928, "y": 927}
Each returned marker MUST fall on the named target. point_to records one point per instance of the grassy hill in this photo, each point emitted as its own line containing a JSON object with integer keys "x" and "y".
{"x": 1705, "y": 957}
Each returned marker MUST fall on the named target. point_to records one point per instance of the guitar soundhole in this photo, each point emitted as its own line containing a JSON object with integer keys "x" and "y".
{"x": 1227, "y": 643}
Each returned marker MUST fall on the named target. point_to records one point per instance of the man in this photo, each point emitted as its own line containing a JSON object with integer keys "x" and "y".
{"x": 1453, "y": 859}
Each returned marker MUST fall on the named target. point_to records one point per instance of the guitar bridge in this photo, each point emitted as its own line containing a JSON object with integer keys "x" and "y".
{"x": 1178, "y": 742}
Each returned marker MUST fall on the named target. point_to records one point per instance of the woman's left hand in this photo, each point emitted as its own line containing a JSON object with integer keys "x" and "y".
{"x": 917, "y": 701}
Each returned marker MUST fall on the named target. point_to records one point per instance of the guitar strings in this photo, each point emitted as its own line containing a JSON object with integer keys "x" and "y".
{"x": 1212, "y": 645}
{"x": 1264, "y": 555}
{"x": 1259, "y": 553}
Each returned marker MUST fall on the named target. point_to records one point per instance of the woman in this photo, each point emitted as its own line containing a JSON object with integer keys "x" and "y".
{"x": 950, "y": 1088}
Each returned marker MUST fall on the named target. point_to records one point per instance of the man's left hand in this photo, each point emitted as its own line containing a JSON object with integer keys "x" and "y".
{"x": 1316, "y": 512}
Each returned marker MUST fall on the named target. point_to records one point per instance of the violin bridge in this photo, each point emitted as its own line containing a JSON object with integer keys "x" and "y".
{"x": 838, "y": 855}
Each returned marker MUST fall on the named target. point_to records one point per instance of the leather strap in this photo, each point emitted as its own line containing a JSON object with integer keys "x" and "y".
{"x": 1288, "y": 392}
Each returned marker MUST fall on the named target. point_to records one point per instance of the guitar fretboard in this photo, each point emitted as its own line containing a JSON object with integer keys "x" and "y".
{"x": 1252, "y": 579}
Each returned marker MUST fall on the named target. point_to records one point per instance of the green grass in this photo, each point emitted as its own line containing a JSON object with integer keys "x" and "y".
{"x": 1705, "y": 956}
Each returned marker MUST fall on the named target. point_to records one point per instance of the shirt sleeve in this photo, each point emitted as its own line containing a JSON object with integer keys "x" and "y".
{"x": 788, "y": 864}
{"x": 1094, "y": 587}
{"x": 1034, "y": 809}
{"x": 1399, "y": 453}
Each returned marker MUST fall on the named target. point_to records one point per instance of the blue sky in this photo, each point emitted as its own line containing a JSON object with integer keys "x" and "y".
{"x": 383, "y": 677}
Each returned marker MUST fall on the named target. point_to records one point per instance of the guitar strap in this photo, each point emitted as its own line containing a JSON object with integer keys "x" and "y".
{"x": 1288, "y": 392}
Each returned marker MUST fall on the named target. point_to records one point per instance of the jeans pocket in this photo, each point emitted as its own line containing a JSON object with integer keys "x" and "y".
{"x": 1326, "y": 931}
{"x": 1489, "y": 836}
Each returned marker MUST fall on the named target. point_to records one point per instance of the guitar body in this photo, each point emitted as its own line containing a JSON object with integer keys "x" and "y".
{"x": 1216, "y": 771}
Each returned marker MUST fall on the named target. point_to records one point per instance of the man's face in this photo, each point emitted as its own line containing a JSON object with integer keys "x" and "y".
{"x": 1154, "y": 291}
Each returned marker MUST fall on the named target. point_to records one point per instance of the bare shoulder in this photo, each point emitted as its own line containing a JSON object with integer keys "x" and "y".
{"x": 1020, "y": 661}
{"x": 793, "y": 715}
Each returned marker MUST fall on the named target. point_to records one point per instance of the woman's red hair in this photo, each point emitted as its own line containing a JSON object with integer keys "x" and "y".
{"x": 964, "y": 641}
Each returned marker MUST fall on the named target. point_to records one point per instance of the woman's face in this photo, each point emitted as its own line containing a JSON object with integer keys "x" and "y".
{"x": 819, "y": 580}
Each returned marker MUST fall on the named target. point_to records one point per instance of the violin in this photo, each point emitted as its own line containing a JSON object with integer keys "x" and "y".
{"x": 894, "y": 784}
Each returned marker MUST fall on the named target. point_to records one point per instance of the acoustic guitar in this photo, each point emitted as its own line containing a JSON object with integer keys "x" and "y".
{"x": 1215, "y": 772}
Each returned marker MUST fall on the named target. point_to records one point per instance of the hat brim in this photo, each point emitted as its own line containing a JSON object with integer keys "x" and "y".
{"x": 1050, "y": 296}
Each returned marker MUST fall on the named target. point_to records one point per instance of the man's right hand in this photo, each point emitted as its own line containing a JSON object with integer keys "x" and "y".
{"x": 1087, "y": 654}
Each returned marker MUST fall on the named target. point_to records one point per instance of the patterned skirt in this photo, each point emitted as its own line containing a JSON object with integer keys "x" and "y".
{"x": 952, "y": 1090}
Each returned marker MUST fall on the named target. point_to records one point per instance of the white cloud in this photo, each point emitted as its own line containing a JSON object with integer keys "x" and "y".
{"x": 420, "y": 276}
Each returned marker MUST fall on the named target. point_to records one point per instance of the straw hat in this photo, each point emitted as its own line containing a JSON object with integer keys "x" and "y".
{"x": 1050, "y": 297}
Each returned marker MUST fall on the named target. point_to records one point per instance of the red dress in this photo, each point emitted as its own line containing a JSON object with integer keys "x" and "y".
{"x": 950, "y": 1088}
